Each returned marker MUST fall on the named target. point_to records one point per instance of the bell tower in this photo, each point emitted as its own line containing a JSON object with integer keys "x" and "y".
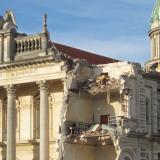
{"x": 154, "y": 63}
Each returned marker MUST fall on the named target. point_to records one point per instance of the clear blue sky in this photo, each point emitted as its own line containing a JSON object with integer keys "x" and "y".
{"x": 114, "y": 28}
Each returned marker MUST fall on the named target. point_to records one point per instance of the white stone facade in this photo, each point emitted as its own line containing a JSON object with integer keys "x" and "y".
{"x": 54, "y": 107}
{"x": 133, "y": 105}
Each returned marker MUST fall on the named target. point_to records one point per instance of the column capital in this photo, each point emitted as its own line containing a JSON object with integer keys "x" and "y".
{"x": 43, "y": 85}
{"x": 11, "y": 89}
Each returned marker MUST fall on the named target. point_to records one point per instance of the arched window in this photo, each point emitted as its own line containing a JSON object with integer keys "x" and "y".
{"x": 128, "y": 154}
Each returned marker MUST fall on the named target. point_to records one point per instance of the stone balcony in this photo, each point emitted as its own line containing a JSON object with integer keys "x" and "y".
{"x": 30, "y": 46}
{"x": 93, "y": 134}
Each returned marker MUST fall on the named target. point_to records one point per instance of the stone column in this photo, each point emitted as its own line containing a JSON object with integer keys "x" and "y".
{"x": 154, "y": 46}
{"x": 11, "y": 123}
{"x": 152, "y": 54}
{"x": 157, "y": 35}
{"x": 158, "y": 55}
{"x": 44, "y": 121}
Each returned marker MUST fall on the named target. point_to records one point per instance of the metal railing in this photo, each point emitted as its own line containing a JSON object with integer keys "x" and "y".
{"x": 78, "y": 128}
{"x": 114, "y": 121}
{"x": 81, "y": 128}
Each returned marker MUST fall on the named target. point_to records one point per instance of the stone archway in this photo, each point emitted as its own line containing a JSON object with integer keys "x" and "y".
{"x": 127, "y": 154}
{"x": 126, "y": 158}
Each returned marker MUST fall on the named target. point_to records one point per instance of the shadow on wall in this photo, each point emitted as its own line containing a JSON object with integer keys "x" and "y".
{"x": 4, "y": 152}
{"x": 102, "y": 109}
{"x": 36, "y": 152}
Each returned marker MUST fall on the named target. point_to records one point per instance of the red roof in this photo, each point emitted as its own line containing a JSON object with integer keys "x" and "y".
{"x": 90, "y": 57}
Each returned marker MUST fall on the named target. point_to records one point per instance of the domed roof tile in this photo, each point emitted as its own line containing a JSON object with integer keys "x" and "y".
{"x": 155, "y": 18}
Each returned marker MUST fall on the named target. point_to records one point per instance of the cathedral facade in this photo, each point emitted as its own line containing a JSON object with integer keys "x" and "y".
{"x": 61, "y": 103}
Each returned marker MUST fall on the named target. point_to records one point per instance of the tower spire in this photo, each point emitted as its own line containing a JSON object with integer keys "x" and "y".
{"x": 155, "y": 18}
{"x": 45, "y": 23}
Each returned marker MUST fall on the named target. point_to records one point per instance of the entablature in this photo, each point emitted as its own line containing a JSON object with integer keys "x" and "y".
{"x": 31, "y": 71}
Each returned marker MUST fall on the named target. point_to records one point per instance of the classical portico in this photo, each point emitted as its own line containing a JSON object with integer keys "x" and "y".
{"x": 28, "y": 95}
{"x": 31, "y": 76}
{"x": 12, "y": 120}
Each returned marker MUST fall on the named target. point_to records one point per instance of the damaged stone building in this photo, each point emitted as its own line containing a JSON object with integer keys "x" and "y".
{"x": 62, "y": 103}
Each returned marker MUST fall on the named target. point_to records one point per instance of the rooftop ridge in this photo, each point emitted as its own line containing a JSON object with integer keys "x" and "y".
{"x": 92, "y": 58}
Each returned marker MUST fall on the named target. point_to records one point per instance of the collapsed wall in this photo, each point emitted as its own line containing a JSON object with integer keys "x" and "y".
{"x": 96, "y": 112}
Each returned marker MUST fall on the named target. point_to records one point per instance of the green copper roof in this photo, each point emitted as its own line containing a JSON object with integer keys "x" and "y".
{"x": 156, "y": 13}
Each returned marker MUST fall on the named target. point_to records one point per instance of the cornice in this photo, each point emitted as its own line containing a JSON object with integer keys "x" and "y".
{"x": 28, "y": 62}
{"x": 154, "y": 30}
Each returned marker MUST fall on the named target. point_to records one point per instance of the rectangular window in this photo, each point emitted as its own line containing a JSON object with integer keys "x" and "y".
{"x": 104, "y": 119}
{"x": 158, "y": 117}
{"x": 147, "y": 111}
{"x": 158, "y": 155}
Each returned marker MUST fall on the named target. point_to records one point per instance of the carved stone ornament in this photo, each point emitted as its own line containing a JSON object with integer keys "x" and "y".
{"x": 8, "y": 22}
{"x": 43, "y": 85}
{"x": 10, "y": 89}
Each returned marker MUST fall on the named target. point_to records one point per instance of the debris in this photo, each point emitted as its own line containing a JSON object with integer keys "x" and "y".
{"x": 100, "y": 84}
{"x": 94, "y": 128}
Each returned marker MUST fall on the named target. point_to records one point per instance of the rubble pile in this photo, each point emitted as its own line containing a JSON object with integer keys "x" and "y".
{"x": 98, "y": 130}
{"x": 100, "y": 84}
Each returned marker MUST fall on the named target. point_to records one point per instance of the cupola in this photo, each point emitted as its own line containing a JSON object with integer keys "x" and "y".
{"x": 154, "y": 63}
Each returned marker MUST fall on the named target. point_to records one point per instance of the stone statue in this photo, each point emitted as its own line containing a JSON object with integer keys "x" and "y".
{"x": 8, "y": 21}
{"x": 1, "y": 22}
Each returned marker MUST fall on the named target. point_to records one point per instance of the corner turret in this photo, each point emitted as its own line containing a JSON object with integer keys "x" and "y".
{"x": 155, "y": 17}
{"x": 154, "y": 34}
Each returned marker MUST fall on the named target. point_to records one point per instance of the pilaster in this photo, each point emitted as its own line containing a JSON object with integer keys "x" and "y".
{"x": 8, "y": 45}
{"x": 1, "y": 47}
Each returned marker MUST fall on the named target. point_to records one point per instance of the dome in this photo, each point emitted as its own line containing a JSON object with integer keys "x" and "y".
{"x": 155, "y": 18}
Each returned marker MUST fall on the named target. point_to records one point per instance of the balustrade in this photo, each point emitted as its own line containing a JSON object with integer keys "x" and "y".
{"x": 28, "y": 44}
